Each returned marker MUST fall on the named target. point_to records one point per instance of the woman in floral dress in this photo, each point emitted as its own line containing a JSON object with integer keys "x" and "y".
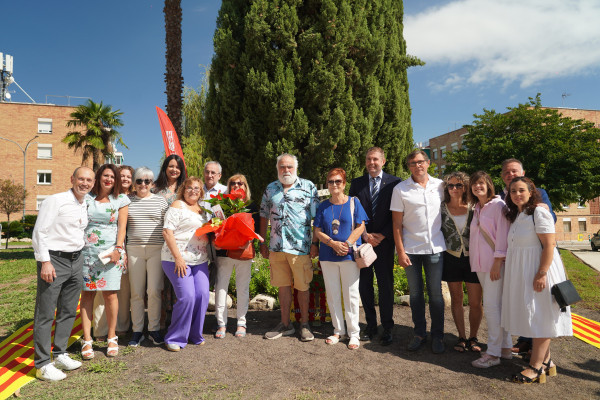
{"x": 107, "y": 215}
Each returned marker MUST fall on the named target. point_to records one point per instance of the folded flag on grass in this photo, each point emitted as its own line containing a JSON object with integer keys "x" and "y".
{"x": 586, "y": 330}
{"x": 16, "y": 357}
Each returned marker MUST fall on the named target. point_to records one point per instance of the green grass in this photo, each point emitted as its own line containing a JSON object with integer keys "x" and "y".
{"x": 585, "y": 279}
{"x": 18, "y": 273}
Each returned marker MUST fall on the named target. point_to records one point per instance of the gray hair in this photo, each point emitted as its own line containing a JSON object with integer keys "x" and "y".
{"x": 510, "y": 161}
{"x": 293, "y": 157}
{"x": 142, "y": 173}
{"x": 216, "y": 163}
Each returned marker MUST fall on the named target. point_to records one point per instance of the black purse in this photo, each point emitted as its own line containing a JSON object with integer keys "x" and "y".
{"x": 565, "y": 294}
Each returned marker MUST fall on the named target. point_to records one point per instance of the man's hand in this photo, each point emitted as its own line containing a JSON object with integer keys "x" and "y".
{"x": 314, "y": 251}
{"x": 544, "y": 205}
{"x": 372, "y": 238}
{"x": 48, "y": 274}
{"x": 404, "y": 260}
{"x": 264, "y": 250}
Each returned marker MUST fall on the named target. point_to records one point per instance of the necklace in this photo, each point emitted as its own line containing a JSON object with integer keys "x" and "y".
{"x": 335, "y": 223}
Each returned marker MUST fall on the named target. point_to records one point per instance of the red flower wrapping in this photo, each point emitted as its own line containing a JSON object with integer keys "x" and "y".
{"x": 235, "y": 232}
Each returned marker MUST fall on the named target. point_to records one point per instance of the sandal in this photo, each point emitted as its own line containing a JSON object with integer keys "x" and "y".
{"x": 112, "y": 351}
{"x": 540, "y": 377}
{"x": 550, "y": 369}
{"x": 220, "y": 333}
{"x": 354, "y": 343}
{"x": 333, "y": 339}
{"x": 89, "y": 353}
{"x": 473, "y": 345}
{"x": 461, "y": 345}
{"x": 241, "y": 331}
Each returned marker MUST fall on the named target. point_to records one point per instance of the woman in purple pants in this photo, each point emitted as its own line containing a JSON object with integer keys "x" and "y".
{"x": 185, "y": 262}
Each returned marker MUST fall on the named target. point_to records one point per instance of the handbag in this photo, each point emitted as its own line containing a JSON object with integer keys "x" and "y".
{"x": 564, "y": 292}
{"x": 364, "y": 255}
{"x": 247, "y": 253}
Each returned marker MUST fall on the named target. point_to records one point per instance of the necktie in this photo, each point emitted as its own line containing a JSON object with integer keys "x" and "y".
{"x": 374, "y": 194}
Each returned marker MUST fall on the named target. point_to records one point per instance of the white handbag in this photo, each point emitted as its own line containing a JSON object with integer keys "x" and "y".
{"x": 364, "y": 255}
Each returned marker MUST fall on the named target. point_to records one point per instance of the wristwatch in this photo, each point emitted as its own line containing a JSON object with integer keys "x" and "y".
{"x": 349, "y": 243}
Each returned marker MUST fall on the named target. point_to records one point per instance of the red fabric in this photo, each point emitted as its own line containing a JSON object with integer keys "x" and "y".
{"x": 169, "y": 135}
{"x": 235, "y": 232}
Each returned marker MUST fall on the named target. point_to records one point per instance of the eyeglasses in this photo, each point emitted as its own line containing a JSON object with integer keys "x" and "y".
{"x": 415, "y": 163}
{"x": 236, "y": 183}
{"x": 145, "y": 181}
{"x": 195, "y": 190}
{"x": 335, "y": 182}
{"x": 455, "y": 186}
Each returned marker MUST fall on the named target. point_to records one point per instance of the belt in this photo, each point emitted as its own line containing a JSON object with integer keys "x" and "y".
{"x": 69, "y": 255}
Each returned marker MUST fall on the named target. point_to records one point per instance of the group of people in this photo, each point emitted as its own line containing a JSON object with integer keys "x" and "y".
{"x": 119, "y": 231}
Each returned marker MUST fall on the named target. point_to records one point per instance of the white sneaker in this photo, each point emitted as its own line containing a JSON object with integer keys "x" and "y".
{"x": 50, "y": 373}
{"x": 173, "y": 347}
{"x": 64, "y": 362}
{"x": 486, "y": 361}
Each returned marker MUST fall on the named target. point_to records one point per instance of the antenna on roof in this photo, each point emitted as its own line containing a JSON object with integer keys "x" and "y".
{"x": 6, "y": 78}
{"x": 564, "y": 95}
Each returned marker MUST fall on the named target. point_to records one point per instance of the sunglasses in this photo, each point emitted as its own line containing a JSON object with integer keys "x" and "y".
{"x": 335, "y": 182}
{"x": 145, "y": 181}
{"x": 455, "y": 186}
{"x": 236, "y": 183}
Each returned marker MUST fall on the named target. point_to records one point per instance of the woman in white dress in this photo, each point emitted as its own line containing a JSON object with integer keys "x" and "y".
{"x": 533, "y": 266}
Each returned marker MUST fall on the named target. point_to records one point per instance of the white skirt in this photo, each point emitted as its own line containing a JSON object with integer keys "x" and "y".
{"x": 526, "y": 312}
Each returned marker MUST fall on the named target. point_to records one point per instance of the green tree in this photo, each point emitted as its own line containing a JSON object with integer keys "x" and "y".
{"x": 322, "y": 79}
{"x": 559, "y": 154}
{"x": 173, "y": 74}
{"x": 193, "y": 127}
{"x": 96, "y": 134}
{"x": 11, "y": 200}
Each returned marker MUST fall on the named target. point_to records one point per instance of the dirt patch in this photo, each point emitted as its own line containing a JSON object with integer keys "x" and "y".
{"x": 286, "y": 368}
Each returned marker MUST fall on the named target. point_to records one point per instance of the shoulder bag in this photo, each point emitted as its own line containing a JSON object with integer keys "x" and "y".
{"x": 364, "y": 255}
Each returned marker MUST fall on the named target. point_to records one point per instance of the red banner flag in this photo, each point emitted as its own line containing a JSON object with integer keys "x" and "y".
{"x": 169, "y": 135}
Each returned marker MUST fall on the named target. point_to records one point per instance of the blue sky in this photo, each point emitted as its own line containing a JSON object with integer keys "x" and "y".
{"x": 479, "y": 54}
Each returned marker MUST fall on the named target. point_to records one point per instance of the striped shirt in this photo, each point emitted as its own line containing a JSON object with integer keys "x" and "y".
{"x": 145, "y": 220}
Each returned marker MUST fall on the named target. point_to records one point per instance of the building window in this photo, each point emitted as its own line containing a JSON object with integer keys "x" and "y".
{"x": 434, "y": 154}
{"x": 581, "y": 204}
{"x": 38, "y": 202}
{"x": 44, "y": 177}
{"x": 582, "y": 225}
{"x": 44, "y": 151}
{"x": 566, "y": 206}
{"x": 454, "y": 146}
{"x": 44, "y": 125}
{"x": 442, "y": 151}
{"x": 567, "y": 225}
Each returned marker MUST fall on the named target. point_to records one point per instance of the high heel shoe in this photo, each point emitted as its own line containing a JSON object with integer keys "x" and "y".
{"x": 540, "y": 377}
{"x": 89, "y": 353}
{"x": 550, "y": 370}
{"x": 113, "y": 351}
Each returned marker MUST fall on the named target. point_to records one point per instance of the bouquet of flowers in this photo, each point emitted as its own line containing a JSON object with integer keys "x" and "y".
{"x": 232, "y": 224}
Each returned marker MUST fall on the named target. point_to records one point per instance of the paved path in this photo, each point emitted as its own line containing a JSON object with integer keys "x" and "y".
{"x": 584, "y": 252}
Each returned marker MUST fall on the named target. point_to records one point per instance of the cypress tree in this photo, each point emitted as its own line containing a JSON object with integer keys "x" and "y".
{"x": 321, "y": 79}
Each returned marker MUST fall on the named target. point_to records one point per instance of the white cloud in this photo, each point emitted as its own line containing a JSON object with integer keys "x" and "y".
{"x": 507, "y": 40}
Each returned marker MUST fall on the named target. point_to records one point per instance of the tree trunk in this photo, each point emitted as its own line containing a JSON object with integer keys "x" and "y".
{"x": 7, "y": 230}
{"x": 173, "y": 75}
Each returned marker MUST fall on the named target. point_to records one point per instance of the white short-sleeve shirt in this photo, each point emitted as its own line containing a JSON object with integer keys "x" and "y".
{"x": 422, "y": 219}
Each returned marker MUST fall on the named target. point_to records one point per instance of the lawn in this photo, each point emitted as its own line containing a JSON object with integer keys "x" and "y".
{"x": 585, "y": 279}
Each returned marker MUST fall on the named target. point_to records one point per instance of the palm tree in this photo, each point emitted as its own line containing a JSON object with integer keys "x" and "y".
{"x": 173, "y": 74}
{"x": 97, "y": 135}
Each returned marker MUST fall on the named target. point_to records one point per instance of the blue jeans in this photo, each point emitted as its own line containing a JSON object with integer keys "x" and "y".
{"x": 433, "y": 265}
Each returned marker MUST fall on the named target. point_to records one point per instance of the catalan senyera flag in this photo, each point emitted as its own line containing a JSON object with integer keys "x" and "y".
{"x": 169, "y": 135}
{"x": 16, "y": 357}
{"x": 586, "y": 330}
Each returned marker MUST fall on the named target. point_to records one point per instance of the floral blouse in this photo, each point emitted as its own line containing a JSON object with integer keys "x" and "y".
{"x": 184, "y": 222}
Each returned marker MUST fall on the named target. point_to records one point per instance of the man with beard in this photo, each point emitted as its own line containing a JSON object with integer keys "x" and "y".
{"x": 57, "y": 242}
{"x": 290, "y": 203}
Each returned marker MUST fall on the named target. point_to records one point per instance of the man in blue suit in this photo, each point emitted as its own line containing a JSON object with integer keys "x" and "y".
{"x": 374, "y": 191}
{"x": 512, "y": 168}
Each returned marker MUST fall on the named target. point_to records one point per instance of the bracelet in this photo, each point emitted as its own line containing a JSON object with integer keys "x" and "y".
{"x": 349, "y": 243}
{"x": 119, "y": 247}
{"x": 329, "y": 240}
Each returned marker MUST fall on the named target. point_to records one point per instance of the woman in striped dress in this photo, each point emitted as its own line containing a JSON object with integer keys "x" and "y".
{"x": 144, "y": 244}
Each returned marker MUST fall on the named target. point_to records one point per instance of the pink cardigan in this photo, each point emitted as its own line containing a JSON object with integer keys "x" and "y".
{"x": 493, "y": 221}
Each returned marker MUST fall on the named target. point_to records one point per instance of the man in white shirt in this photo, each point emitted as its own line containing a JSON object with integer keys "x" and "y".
{"x": 212, "y": 174}
{"x": 58, "y": 238}
{"x": 417, "y": 220}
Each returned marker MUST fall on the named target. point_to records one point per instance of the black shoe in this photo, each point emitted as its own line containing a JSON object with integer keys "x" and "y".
{"x": 437, "y": 346}
{"x": 386, "y": 337}
{"x": 416, "y": 343}
{"x": 368, "y": 333}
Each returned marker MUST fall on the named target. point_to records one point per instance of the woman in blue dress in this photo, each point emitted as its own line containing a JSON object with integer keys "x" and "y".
{"x": 337, "y": 230}
{"x": 107, "y": 215}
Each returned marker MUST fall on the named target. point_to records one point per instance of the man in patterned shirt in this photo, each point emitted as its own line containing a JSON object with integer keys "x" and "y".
{"x": 290, "y": 203}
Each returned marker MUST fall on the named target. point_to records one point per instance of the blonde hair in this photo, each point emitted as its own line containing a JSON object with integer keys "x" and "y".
{"x": 244, "y": 180}
{"x": 188, "y": 180}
